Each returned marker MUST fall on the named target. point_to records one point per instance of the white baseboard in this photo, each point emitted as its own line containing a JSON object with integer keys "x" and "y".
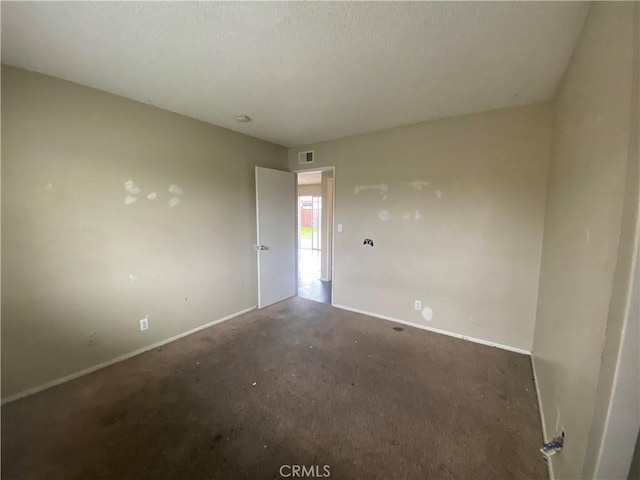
{"x": 544, "y": 424}
{"x": 73, "y": 376}
{"x": 437, "y": 330}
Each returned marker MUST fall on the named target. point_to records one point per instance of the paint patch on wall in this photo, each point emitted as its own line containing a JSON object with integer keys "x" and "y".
{"x": 133, "y": 278}
{"x": 130, "y": 199}
{"x": 175, "y": 190}
{"x": 383, "y": 188}
{"x": 416, "y": 215}
{"x": 406, "y": 216}
{"x": 49, "y": 186}
{"x": 427, "y": 314}
{"x": 417, "y": 184}
{"x": 152, "y": 196}
{"x": 384, "y": 215}
{"x": 174, "y": 201}
{"x": 131, "y": 187}
{"x": 590, "y": 122}
{"x": 439, "y": 194}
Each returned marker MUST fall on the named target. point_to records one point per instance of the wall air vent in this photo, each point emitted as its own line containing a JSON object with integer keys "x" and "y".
{"x": 305, "y": 157}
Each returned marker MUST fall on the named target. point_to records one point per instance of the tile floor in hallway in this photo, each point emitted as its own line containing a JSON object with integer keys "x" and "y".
{"x": 309, "y": 284}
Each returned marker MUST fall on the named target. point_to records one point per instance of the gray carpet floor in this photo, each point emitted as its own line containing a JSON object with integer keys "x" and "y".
{"x": 299, "y": 383}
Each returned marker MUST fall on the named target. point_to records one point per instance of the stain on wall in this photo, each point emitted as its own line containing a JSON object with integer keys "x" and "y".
{"x": 456, "y": 208}
{"x": 77, "y": 261}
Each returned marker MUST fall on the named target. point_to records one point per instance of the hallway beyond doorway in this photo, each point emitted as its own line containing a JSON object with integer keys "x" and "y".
{"x": 309, "y": 284}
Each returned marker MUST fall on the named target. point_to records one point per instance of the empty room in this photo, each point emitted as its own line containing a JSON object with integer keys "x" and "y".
{"x": 350, "y": 240}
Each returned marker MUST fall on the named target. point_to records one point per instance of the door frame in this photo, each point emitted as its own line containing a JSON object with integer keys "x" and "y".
{"x": 332, "y": 267}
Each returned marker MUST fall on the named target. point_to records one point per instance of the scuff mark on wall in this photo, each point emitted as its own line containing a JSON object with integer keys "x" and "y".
{"x": 427, "y": 314}
{"x": 384, "y": 215}
{"x": 152, "y": 196}
{"x": 417, "y": 184}
{"x": 175, "y": 190}
{"x": 408, "y": 216}
{"x": 131, "y": 187}
{"x": 174, "y": 201}
{"x": 587, "y": 235}
{"x": 383, "y": 187}
{"x": 130, "y": 199}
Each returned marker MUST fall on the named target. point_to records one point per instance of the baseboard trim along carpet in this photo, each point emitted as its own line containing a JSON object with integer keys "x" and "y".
{"x": 436, "y": 330}
{"x": 544, "y": 424}
{"x": 81, "y": 373}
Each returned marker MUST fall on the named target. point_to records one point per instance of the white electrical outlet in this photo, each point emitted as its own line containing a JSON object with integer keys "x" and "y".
{"x": 418, "y": 305}
{"x": 144, "y": 324}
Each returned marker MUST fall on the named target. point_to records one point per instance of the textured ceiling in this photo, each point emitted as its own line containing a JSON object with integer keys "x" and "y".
{"x": 303, "y": 71}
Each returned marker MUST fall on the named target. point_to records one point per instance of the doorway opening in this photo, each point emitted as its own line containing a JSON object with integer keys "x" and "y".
{"x": 315, "y": 234}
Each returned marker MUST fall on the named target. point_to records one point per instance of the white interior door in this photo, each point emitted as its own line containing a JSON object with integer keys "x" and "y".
{"x": 276, "y": 245}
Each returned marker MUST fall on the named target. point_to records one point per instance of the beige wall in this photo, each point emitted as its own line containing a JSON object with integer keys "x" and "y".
{"x": 77, "y": 261}
{"x": 589, "y": 235}
{"x": 467, "y": 244}
{"x": 314, "y": 190}
{"x": 617, "y": 410}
